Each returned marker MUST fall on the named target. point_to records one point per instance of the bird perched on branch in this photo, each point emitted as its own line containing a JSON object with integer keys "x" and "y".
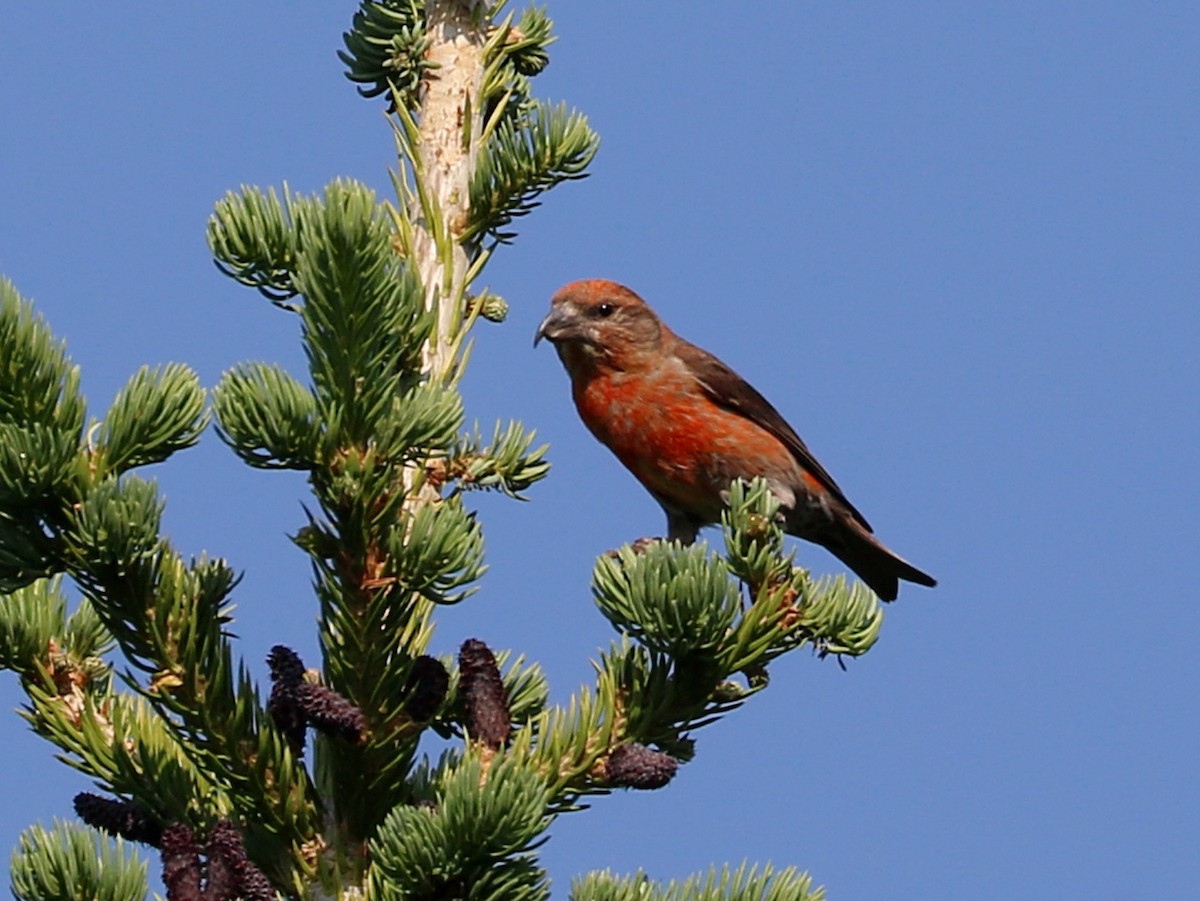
{"x": 686, "y": 425}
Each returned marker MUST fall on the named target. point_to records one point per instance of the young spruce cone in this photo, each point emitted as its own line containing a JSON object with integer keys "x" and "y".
{"x": 426, "y": 688}
{"x": 127, "y": 819}
{"x": 287, "y": 675}
{"x": 484, "y": 700}
{"x": 636, "y": 766}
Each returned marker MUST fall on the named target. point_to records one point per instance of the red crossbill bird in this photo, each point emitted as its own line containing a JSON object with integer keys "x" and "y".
{"x": 687, "y": 426}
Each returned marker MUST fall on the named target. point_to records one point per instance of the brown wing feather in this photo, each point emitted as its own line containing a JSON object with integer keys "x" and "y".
{"x": 728, "y": 389}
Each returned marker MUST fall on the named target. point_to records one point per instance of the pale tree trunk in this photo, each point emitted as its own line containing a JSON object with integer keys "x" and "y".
{"x": 450, "y": 121}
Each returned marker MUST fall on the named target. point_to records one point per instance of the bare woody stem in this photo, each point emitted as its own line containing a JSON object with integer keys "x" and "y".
{"x": 450, "y": 123}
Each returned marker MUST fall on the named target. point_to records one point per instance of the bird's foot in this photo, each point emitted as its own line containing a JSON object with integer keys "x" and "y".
{"x": 640, "y": 546}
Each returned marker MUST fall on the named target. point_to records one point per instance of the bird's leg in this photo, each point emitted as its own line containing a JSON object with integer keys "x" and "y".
{"x": 680, "y": 526}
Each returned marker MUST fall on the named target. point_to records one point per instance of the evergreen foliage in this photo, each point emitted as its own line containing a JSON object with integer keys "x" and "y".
{"x": 69, "y": 862}
{"x": 743, "y": 884}
{"x": 139, "y": 687}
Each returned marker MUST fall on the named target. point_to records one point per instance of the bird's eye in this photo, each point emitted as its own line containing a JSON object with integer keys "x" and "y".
{"x": 605, "y": 310}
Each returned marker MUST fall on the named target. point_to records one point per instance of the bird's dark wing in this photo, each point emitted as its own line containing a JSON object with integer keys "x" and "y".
{"x": 729, "y": 390}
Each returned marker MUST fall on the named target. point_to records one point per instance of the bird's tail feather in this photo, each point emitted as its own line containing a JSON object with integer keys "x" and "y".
{"x": 874, "y": 563}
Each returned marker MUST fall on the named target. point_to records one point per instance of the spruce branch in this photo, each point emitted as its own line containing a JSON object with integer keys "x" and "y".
{"x": 842, "y": 617}
{"x": 370, "y": 411}
{"x": 38, "y": 463}
{"x": 525, "y": 156}
{"x": 682, "y": 602}
{"x": 525, "y": 43}
{"x": 386, "y": 49}
{"x": 697, "y": 634}
{"x": 508, "y": 464}
{"x": 115, "y": 738}
{"x": 68, "y": 862}
{"x": 149, "y": 761}
{"x": 267, "y": 417}
{"x": 407, "y": 541}
{"x": 362, "y": 313}
{"x": 440, "y": 551}
{"x": 746, "y": 883}
{"x": 158, "y": 412}
{"x": 474, "y": 841}
{"x": 41, "y": 427}
{"x": 254, "y": 238}
{"x": 38, "y": 383}
{"x": 123, "y": 743}
{"x": 515, "y": 52}
{"x": 33, "y": 621}
{"x": 565, "y": 743}
{"x": 423, "y": 422}
{"x": 26, "y": 552}
{"x": 167, "y": 615}
{"x": 676, "y": 600}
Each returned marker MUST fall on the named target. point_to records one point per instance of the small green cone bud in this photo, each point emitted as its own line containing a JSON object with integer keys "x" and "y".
{"x": 757, "y": 525}
{"x": 728, "y": 691}
{"x": 492, "y": 307}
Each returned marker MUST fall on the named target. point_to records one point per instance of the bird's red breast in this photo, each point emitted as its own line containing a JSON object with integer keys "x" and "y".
{"x": 677, "y": 442}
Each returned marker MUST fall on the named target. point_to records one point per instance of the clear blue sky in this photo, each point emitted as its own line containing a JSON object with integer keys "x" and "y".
{"x": 956, "y": 245}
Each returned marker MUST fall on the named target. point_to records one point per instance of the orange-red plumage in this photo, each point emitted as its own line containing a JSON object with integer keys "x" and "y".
{"x": 686, "y": 425}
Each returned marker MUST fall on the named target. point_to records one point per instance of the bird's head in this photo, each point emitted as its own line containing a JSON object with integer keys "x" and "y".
{"x": 598, "y": 322}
